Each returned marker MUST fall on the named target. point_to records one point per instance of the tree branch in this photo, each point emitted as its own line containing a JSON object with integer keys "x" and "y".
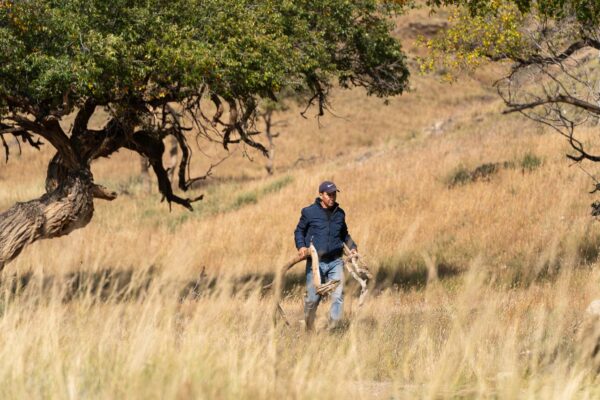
{"x": 100, "y": 192}
{"x": 16, "y": 132}
{"x": 559, "y": 57}
{"x": 50, "y": 130}
{"x": 153, "y": 148}
{"x": 83, "y": 117}
{"x": 515, "y": 107}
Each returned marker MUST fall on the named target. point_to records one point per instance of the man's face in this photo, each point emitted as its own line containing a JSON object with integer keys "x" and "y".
{"x": 328, "y": 199}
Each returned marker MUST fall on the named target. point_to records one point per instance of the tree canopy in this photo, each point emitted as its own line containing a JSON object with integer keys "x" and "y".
{"x": 153, "y": 65}
{"x": 553, "y": 45}
{"x": 57, "y": 54}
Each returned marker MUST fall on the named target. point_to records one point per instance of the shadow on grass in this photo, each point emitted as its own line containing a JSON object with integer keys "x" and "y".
{"x": 404, "y": 275}
{"x": 113, "y": 284}
{"x": 122, "y": 285}
{"x": 102, "y": 285}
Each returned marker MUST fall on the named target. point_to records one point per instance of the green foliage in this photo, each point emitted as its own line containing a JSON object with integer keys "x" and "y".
{"x": 217, "y": 201}
{"x": 277, "y": 185}
{"x": 588, "y": 248}
{"x": 252, "y": 197}
{"x": 553, "y": 76}
{"x": 127, "y": 51}
{"x": 587, "y": 12}
{"x": 530, "y": 162}
{"x": 245, "y": 199}
{"x": 473, "y": 38}
{"x": 504, "y": 29}
{"x": 459, "y": 176}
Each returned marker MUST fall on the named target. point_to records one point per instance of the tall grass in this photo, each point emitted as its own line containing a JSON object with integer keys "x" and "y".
{"x": 467, "y": 340}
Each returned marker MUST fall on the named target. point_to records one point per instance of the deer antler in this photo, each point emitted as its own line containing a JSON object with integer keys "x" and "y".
{"x": 316, "y": 275}
{"x": 359, "y": 272}
{"x": 322, "y": 289}
{"x": 277, "y": 282}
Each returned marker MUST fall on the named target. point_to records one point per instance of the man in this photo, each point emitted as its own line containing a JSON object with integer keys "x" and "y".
{"x": 324, "y": 225}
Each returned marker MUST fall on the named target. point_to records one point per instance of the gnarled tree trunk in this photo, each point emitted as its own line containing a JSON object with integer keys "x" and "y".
{"x": 66, "y": 208}
{"x": 68, "y": 203}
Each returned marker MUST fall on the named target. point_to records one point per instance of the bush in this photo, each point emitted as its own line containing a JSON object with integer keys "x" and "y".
{"x": 530, "y": 162}
{"x": 459, "y": 176}
{"x": 462, "y": 175}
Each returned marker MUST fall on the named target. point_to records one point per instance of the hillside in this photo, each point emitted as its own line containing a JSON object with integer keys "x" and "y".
{"x": 437, "y": 176}
{"x": 396, "y": 165}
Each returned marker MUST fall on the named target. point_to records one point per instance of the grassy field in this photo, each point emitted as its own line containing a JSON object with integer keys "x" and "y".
{"x": 150, "y": 303}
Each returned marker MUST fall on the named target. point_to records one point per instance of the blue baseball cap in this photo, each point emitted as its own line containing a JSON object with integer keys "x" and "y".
{"x": 328, "y": 187}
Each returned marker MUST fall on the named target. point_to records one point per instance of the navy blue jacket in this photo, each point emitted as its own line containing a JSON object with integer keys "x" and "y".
{"x": 327, "y": 231}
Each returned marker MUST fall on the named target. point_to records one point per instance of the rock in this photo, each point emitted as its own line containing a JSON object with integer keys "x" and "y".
{"x": 593, "y": 309}
{"x": 439, "y": 127}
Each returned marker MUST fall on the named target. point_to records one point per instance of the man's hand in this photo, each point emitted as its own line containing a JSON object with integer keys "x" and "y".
{"x": 303, "y": 252}
{"x": 353, "y": 252}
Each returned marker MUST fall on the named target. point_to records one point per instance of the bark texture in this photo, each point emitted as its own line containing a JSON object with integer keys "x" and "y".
{"x": 70, "y": 189}
{"x": 66, "y": 208}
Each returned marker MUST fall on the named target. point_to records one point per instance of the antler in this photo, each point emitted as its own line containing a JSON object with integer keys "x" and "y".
{"x": 278, "y": 286}
{"x": 353, "y": 263}
{"x": 359, "y": 272}
{"x": 322, "y": 289}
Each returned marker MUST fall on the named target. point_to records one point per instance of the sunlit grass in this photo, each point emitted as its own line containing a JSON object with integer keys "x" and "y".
{"x": 152, "y": 302}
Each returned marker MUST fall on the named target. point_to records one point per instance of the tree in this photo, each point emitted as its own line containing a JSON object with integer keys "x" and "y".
{"x": 267, "y": 109}
{"x": 552, "y": 44}
{"x": 151, "y": 64}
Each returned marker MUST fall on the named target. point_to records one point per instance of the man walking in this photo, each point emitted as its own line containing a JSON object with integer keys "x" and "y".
{"x": 324, "y": 225}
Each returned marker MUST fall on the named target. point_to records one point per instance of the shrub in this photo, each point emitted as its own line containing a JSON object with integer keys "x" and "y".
{"x": 530, "y": 162}
{"x": 462, "y": 175}
{"x": 459, "y": 176}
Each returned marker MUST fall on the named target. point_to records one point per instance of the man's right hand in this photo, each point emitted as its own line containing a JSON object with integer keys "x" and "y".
{"x": 303, "y": 252}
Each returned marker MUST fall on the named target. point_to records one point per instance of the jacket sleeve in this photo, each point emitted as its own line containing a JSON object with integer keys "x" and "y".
{"x": 346, "y": 237}
{"x": 300, "y": 232}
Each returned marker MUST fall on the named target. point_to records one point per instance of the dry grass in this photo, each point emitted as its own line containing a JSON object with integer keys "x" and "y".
{"x": 120, "y": 309}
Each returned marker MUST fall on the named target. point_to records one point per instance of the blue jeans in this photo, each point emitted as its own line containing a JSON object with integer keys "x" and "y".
{"x": 329, "y": 271}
